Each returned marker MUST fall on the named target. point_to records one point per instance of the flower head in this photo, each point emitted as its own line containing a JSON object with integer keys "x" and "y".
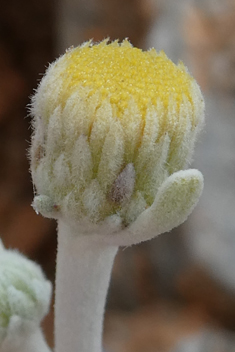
{"x": 112, "y": 123}
{"x": 24, "y": 292}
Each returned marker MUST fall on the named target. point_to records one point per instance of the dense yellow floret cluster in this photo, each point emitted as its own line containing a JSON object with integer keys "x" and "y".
{"x": 121, "y": 73}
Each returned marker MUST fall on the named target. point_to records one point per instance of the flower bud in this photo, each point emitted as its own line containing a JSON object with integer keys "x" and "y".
{"x": 24, "y": 291}
{"x": 111, "y": 124}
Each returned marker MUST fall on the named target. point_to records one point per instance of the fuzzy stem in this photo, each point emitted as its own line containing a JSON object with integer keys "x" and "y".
{"x": 82, "y": 278}
{"x": 30, "y": 340}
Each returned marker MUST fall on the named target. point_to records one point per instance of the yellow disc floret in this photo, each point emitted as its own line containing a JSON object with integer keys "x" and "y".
{"x": 120, "y": 72}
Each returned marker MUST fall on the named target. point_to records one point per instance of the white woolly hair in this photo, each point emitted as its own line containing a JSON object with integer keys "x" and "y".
{"x": 24, "y": 290}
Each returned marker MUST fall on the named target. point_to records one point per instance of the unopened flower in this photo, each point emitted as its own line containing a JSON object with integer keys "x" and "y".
{"x": 111, "y": 124}
{"x": 24, "y": 301}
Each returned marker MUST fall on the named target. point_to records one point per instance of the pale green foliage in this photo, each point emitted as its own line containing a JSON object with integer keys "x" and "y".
{"x": 175, "y": 200}
{"x": 24, "y": 291}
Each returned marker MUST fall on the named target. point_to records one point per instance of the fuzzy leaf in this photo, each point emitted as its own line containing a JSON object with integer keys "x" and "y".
{"x": 81, "y": 163}
{"x": 174, "y": 201}
{"x": 112, "y": 156}
{"x": 100, "y": 128}
{"x": 122, "y": 188}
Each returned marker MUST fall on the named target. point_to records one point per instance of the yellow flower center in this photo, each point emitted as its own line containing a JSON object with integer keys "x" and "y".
{"x": 121, "y": 72}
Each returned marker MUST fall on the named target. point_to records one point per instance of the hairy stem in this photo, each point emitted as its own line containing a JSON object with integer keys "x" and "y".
{"x": 82, "y": 278}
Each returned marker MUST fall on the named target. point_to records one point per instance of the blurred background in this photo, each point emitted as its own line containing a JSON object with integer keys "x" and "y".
{"x": 175, "y": 293}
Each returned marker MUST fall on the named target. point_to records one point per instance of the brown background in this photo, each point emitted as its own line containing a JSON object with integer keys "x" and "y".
{"x": 151, "y": 305}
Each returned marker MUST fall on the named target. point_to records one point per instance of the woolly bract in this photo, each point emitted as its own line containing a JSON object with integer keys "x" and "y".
{"x": 111, "y": 124}
{"x": 24, "y": 292}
